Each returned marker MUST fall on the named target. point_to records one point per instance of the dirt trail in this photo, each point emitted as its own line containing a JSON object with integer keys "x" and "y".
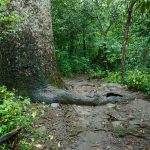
{"x": 114, "y": 126}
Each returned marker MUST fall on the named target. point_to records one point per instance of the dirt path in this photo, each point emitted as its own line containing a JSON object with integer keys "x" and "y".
{"x": 113, "y": 126}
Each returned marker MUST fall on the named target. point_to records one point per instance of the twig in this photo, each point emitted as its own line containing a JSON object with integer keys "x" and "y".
{"x": 11, "y": 138}
{"x": 135, "y": 135}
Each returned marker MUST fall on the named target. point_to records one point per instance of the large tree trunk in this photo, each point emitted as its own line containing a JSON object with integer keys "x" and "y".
{"x": 28, "y": 61}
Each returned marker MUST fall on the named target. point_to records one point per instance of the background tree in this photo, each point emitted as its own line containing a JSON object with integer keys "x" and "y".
{"x": 130, "y": 7}
{"x": 102, "y": 24}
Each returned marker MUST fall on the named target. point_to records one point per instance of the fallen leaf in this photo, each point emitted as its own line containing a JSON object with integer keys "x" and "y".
{"x": 59, "y": 145}
{"x": 51, "y": 137}
{"x": 129, "y": 147}
{"x": 38, "y": 146}
{"x": 142, "y": 131}
{"x": 142, "y": 120}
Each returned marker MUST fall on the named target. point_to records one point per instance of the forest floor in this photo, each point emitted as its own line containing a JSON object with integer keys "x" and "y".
{"x": 124, "y": 125}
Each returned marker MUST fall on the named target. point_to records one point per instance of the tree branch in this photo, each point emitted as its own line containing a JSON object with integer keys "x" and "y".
{"x": 9, "y": 136}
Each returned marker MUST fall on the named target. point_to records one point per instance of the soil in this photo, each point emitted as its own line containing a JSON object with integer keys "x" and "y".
{"x": 124, "y": 125}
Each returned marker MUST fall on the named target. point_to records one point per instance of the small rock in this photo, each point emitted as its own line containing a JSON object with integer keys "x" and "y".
{"x": 117, "y": 124}
{"x": 55, "y": 105}
{"x": 42, "y": 130}
{"x": 134, "y": 123}
{"x": 129, "y": 147}
{"x": 145, "y": 124}
{"x": 38, "y": 146}
{"x": 130, "y": 117}
{"x": 108, "y": 147}
{"x": 109, "y": 105}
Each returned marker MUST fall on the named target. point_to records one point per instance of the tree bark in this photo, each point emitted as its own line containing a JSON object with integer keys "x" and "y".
{"x": 28, "y": 58}
{"x": 84, "y": 40}
{"x": 126, "y": 36}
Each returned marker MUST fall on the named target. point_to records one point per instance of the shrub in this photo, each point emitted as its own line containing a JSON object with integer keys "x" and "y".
{"x": 7, "y": 18}
{"x": 64, "y": 63}
{"x": 71, "y": 64}
{"x": 139, "y": 80}
{"x": 14, "y": 113}
{"x": 98, "y": 74}
{"x": 114, "y": 77}
{"x": 79, "y": 64}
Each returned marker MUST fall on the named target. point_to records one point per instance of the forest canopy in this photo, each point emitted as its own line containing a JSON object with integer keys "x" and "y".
{"x": 90, "y": 35}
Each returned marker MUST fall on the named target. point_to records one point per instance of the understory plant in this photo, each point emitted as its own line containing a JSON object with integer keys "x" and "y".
{"x": 136, "y": 79}
{"x": 139, "y": 80}
{"x": 14, "y": 113}
{"x": 71, "y": 64}
{"x": 7, "y": 18}
{"x": 98, "y": 74}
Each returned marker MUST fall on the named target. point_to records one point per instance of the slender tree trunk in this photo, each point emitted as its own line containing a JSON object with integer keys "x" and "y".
{"x": 145, "y": 55}
{"x": 84, "y": 25}
{"x": 84, "y": 41}
{"x": 126, "y": 36}
{"x": 71, "y": 43}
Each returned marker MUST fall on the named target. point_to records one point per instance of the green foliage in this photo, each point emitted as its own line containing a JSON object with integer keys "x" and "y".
{"x": 136, "y": 79}
{"x": 64, "y": 62}
{"x": 14, "y": 113}
{"x": 143, "y": 5}
{"x": 95, "y": 30}
{"x": 80, "y": 64}
{"x": 114, "y": 77}
{"x": 7, "y": 17}
{"x": 121, "y": 131}
{"x": 98, "y": 74}
{"x": 139, "y": 80}
{"x": 71, "y": 64}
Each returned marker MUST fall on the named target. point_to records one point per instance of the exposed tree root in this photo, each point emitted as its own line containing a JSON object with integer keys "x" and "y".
{"x": 51, "y": 94}
{"x": 135, "y": 135}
